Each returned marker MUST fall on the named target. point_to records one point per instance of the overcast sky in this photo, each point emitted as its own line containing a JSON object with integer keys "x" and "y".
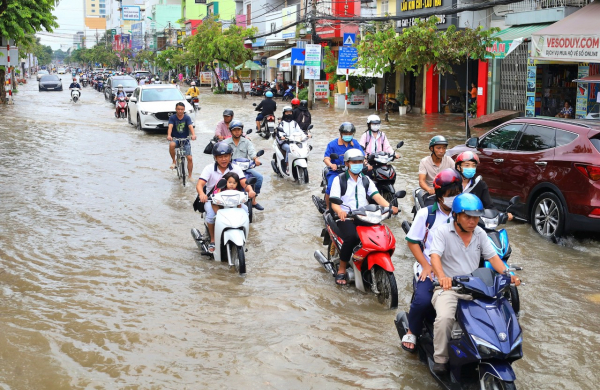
{"x": 69, "y": 14}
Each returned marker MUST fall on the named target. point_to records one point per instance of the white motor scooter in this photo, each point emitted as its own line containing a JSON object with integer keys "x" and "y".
{"x": 231, "y": 228}
{"x": 75, "y": 94}
{"x": 297, "y": 165}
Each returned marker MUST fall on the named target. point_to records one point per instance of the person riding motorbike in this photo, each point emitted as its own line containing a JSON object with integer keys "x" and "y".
{"x": 339, "y": 146}
{"x": 466, "y": 164}
{"x": 267, "y": 107}
{"x": 373, "y": 140}
{"x": 120, "y": 93}
{"x": 295, "y": 103}
{"x": 210, "y": 176}
{"x": 356, "y": 196}
{"x": 243, "y": 148}
{"x": 74, "y": 85}
{"x": 433, "y": 164}
{"x": 222, "y": 130}
{"x": 302, "y": 115}
{"x": 285, "y": 129}
{"x": 447, "y": 185}
{"x": 192, "y": 90}
{"x": 456, "y": 250}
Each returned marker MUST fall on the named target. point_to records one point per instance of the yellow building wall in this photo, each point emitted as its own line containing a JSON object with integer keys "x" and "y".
{"x": 391, "y": 7}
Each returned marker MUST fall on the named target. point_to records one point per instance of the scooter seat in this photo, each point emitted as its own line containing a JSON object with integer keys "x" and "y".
{"x": 486, "y": 275}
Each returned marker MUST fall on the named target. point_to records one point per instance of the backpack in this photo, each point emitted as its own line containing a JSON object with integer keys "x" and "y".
{"x": 344, "y": 185}
{"x": 303, "y": 119}
{"x": 428, "y": 224}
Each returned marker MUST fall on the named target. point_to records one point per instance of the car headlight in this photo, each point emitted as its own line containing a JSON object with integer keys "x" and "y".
{"x": 485, "y": 348}
{"x": 145, "y": 112}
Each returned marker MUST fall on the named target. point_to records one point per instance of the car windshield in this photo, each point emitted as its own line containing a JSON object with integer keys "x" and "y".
{"x": 50, "y": 78}
{"x": 161, "y": 94}
{"x": 126, "y": 83}
{"x": 43, "y": 72}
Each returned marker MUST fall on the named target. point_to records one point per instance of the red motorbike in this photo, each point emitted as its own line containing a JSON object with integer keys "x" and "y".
{"x": 121, "y": 108}
{"x": 371, "y": 261}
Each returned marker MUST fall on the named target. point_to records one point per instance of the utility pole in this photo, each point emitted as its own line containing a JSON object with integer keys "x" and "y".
{"x": 96, "y": 36}
{"x": 313, "y": 24}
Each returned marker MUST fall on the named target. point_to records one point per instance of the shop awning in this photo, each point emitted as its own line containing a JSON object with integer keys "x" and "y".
{"x": 512, "y": 37}
{"x": 249, "y": 65}
{"x": 574, "y": 39}
{"x": 272, "y": 61}
{"x": 588, "y": 79}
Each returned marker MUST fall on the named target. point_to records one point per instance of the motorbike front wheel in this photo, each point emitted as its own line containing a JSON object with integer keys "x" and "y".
{"x": 236, "y": 254}
{"x": 492, "y": 383}
{"x": 302, "y": 174}
{"x": 385, "y": 284}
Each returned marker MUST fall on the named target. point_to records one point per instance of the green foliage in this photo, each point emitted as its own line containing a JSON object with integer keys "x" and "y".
{"x": 473, "y": 108}
{"x": 144, "y": 57}
{"x": 361, "y": 83}
{"x": 401, "y": 97}
{"x": 20, "y": 19}
{"x": 303, "y": 94}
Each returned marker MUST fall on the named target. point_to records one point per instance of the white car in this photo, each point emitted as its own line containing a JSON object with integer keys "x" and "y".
{"x": 61, "y": 70}
{"x": 41, "y": 73}
{"x": 151, "y": 106}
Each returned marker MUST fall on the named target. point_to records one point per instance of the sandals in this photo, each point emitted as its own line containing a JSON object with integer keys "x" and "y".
{"x": 412, "y": 339}
{"x": 173, "y": 166}
{"x": 339, "y": 278}
{"x": 211, "y": 247}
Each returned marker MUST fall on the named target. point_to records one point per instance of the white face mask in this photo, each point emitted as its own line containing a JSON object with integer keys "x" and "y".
{"x": 375, "y": 127}
{"x": 448, "y": 201}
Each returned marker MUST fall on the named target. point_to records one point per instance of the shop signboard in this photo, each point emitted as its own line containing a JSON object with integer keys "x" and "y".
{"x": 357, "y": 99}
{"x": 297, "y": 56}
{"x": 289, "y": 15}
{"x": 312, "y": 62}
{"x": 285, "y": 65}
{"x": 413, "y": 9}
{"x": 576, "y": 48}
{"x": 321, "y": 89}
{"x": 131, "y": 12}
{"x": 498, "y": 49}
{"x": 205, "y": 77}
{"x": 581, "y": 104}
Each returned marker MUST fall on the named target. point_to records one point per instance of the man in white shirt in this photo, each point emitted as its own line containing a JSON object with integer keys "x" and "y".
{"x": 357, "y": 195}
{"x": 210, "y": 176}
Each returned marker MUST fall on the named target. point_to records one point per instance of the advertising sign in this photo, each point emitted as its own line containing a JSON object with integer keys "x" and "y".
{"x": 575, "y": 48}
{"x": 312, "y": 62}
{"x": 285, "y": 65}
{"x": 125, "y": 41}
{"x": 137, "y": 37}
{"x": 131, "y": 12}
{"x": 321, "y": 89}
{"x": 348, "y": 57}
{"x": 498, "y": 49}
{"x": 297, "y": 57}
{"x": 289, "y": 15}
{"x": 205, "y": 77}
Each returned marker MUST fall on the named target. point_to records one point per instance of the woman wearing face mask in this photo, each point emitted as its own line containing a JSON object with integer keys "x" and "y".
{"x": 285, "y": 129}
{"x": 373, "y": 139}
{"x": 466, "y": 163}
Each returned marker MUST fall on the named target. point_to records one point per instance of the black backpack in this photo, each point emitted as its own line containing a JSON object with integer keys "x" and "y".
{"x": 303, "y": 119}
{"x": 344, "y": 185}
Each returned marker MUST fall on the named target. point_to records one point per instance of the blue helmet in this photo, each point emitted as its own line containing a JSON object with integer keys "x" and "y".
{"x": 269, "y": 94}
{"x": 469, "y": 204}
{"x": 236, "y": 124}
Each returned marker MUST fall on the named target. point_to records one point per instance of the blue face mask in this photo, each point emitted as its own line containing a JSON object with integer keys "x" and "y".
{"x": 347, "y": 138}
{"x": 356, "y": 168}
{"x": 469, "y": 172}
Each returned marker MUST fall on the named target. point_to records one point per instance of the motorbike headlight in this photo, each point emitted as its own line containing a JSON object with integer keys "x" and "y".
{"x": 485, "y": 348}
{"x": 231, "y": 200}
{"x": 373, "y": 217}
{"x": 491, "y": 223}
{"x": 517, "y": 342}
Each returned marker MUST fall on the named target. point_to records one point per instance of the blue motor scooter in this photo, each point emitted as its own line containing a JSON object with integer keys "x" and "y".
{"x": 486, "y": 338}
{"x": 289, "y": 93}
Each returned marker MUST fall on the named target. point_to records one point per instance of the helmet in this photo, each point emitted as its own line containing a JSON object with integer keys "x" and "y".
{"x": 303, "y": 103}
{"x": 74, "y": 78}
{"x": 347, "y": 127}
{"x": 295, "y": 101}
{"x": 446, "y": 179}
{"x": 373, "y": 119}
{"x": 353, "y": 155}
{"x": 438, "y": 140}
{"x": 193, "y": 83}
{"x": 221, "y": 148}
{"x": 236, "y": 124}
{"x": 228, "y": 112}
{"x": 469, "y": 204}
{"x": 466, "y": 156}
{"x": 120, "y": 86}
{"x": 269, "y": 94}
{"x": 287, "y": 109}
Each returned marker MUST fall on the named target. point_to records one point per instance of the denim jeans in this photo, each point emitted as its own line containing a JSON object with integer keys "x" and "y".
{"x": 259, "y": 179}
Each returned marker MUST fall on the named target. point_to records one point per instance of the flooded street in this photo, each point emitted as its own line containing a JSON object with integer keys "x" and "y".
{"x": 102, "y": 286}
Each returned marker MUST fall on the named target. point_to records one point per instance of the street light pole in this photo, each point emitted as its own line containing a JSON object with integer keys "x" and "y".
{"x": 313, "y": 24}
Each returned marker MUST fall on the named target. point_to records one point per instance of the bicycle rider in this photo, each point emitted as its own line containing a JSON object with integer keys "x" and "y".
{"x": 181, "y": 126}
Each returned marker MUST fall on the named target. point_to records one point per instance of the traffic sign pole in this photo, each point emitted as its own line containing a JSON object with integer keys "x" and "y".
{"x": 346, "y": 101}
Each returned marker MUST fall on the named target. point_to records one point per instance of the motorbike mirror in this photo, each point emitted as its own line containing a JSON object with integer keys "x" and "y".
{"x": 337, "y": 201}
{"x": 334, "y": 156}
{"x": 260, "y": 153}
{"x": 400, "y": 144}
{"x": 249, "y": 131}
{"x": 222, "y": 184}
{"x": 251, "y": 180}
{"x": 254, "y": 104}
{"x": 472, "y": 142}
{"x": 400, "y": 194}
{"x": 279, "y": 128}
{"x": 310, "y": 127}
{"x": 514, "y": 200}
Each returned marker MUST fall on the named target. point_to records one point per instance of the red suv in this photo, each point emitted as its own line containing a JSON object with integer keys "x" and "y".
{"x": 553, "y": 166}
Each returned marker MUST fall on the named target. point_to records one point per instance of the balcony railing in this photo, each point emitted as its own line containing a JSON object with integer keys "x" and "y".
{"x": 533, "y": 5}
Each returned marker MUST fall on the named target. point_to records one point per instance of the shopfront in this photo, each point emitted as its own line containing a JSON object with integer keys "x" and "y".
{"x": 562, "y": 55}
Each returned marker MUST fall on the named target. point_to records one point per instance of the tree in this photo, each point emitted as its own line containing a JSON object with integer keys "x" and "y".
{"x": 20, "y": 20}
{"x": 144, "y": 56}
{"x": 226, "y": 46}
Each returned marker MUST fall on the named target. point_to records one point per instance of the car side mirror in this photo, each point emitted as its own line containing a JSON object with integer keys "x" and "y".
{"x": 472, "y": 142}
{"x": 400, "y": 144}
{"x": 133, "y": 99}
{"x": 222, "y": 184}
{"x": 334, "y": 156}
{"x": 400, "y": 194}
{"x": 251, "y": 180}
{"x": 514, "y": 200}
{"x": 260, "y": 153}
{"x": 310, "y": 127}
{"x": 337, "y": 201}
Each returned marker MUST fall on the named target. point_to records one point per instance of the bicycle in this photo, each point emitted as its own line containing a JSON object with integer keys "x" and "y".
{"x": 180, "y": 157}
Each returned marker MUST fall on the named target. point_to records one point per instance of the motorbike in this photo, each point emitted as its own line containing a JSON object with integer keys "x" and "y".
{"x": 75, "y": 94}
{"x": 320, "y": 203}
{"x": 267, "y": 126}
{"x": 121, "y": 108}
{"x": 194, "y": 101}
{"x": 84, "y": 83}
{"x": 231, "y": 228}
{"x": 453, "y": 102}
{"x": 382, "y": 172}
{"x": 371, "y": 263}
{"x": 100, "y": 86}
{"x": 486, "y": 337}
{"x": 245, "y": 164}
{"x": 289, "y": 93}
{"x": 257, "y": 90}
{"x": 296, "y": 167}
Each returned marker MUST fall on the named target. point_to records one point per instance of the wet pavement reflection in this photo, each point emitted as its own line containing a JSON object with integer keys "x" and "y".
{"x": 103, "y": 287}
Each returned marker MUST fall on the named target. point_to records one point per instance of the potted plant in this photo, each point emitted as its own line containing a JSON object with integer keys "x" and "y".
{"x": 473, "y": 110}
{"x": 401, "y": 98}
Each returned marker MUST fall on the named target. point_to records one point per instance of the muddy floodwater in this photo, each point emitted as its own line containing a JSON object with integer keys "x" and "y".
{"x": 102, "y": 286}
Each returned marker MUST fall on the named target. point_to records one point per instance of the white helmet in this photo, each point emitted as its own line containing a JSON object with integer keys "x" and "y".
{"x": 193, "y": 83}
{"x": 353, "y": 155}
{"x": 120, "y": 86}
{"x": 374, "y": 122}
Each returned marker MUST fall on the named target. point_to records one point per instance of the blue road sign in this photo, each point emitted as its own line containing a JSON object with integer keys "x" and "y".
{"x": 297, "y": 56}
{"x": 349, "y": 39}
{"x": 348, "y": 57}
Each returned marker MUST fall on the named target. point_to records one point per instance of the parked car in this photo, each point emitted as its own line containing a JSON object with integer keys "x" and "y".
{"x": 41, "y": 73}
{"x": 50, "y": 83}
{"x": 110, "y": 88}
{"x": 552, "y": 165}
{"x": 151, "y": 106}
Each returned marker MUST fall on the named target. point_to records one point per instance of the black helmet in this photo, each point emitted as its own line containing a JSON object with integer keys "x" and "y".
{"x": 347, "y": 127}
{"x": 287, "y": 109}
{"x": 228, "y": 112}
{"x": 438, "y": 140}
{"x": 303, "y": 103}
{"x": 236, "y": 124}
{"x": 222, "y": 148}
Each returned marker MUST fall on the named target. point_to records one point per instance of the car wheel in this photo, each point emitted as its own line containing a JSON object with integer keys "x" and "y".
{"x": 129, "y": 117}
{"x": 139, "y": 123}
{"x": 548, "y": 215}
